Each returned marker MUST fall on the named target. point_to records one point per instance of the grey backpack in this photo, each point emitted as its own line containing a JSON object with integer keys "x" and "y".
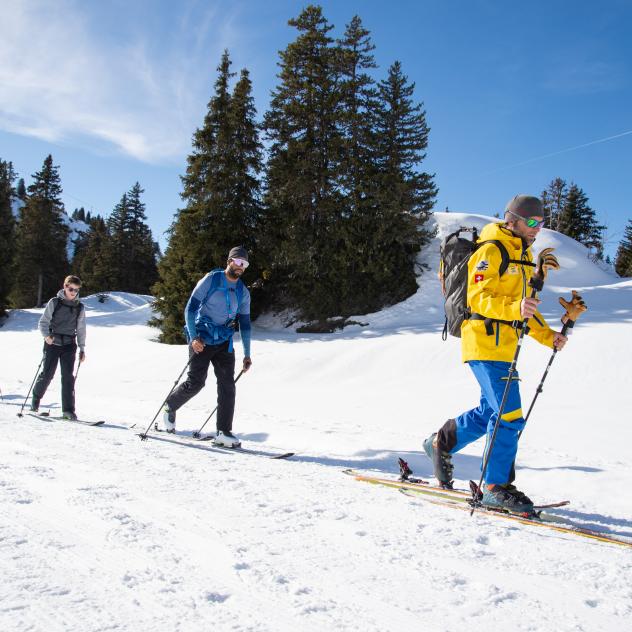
{"x": 455, "y": 253}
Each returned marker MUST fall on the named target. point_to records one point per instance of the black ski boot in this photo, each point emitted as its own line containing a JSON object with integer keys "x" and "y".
{"x": 507, "y": 498}
{"x": 35, "y": 405}
{"x": 441, "y": 461}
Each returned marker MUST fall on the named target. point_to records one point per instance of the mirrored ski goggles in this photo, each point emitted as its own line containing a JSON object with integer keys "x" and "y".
{"x": 529, "y": 221}
{"x": 240, "y": 263}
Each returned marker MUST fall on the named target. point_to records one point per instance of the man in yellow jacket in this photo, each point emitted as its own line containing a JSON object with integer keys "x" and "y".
{"x": 489, "y": 338}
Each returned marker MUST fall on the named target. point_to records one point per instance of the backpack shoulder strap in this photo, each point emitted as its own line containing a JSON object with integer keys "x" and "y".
{"x": 504, "y": 255}
{"x": 239, "y": 291}
{"x": 58, "y": 304}
{"x": 215, "y": 283}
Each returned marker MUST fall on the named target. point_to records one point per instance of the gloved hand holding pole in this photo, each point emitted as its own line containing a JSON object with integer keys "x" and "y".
{"x": 574, "y": 309}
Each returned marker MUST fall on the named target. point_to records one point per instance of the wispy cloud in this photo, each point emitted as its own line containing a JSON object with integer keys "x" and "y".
{"x": 575, "y": 74}
{"x": 66, "y": 77}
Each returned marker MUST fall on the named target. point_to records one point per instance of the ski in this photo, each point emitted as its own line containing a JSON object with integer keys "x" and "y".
{"x": 41, "y": 417}
{"x": 539, "y": 519}
{"x": 49, "y": 417}
{"x": 188, "y": 440}
{"x": 423, "y": 487}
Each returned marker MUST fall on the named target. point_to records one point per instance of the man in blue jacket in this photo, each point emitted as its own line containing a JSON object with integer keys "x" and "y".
{"x": 219, "y": 303}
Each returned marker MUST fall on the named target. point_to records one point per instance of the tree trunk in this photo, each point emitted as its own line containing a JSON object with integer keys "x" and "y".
{"x": 40, "y": 288}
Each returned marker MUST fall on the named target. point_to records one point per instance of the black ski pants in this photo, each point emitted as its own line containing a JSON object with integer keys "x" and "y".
{"x": 224, "y": 366}
{"x": 65, "y": 356}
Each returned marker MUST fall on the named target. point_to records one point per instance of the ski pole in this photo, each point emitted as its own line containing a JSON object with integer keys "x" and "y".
{"x": 574, "y": 309}
{"x": 198, "y": 433}
{"x": 32, "y": 383}
{"x": 143, "y": 435}
{"x": 546, "y": 261}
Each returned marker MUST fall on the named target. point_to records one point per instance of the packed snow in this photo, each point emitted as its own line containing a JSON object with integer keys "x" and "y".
{"x": 102, "y": 531}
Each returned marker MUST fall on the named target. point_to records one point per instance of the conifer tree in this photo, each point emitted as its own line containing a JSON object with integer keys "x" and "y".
{"x": 553, "y": 202}
{"x": 358, "y": 102}
{"x": 221, "y": 195}
{"x": 623, "y": 259}
{"x": 113, "y": 249}
{"x": 247, "y": 158}
{"x": 128, "y": 254}
{"x": 142, "y": 272}
{"x": 345, "y": 199}
{"x": 369, "y": 228}
{"x": 7, "y": 233}
{"x": 578, "y": 220}
{"x": 20, "y": 190}
{"x": 79, "y": 214}
{"x": 304, "y": 201}
{"x": 406, "y": 195}
{"x": 40, "y": 258}
{"x": 89, "y": 263}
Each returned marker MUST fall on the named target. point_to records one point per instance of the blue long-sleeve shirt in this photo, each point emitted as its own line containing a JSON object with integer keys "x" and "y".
{"x": 220, "y": 307}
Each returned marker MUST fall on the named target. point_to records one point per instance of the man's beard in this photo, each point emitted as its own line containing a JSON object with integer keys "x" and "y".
{"x": 232, "y": 273}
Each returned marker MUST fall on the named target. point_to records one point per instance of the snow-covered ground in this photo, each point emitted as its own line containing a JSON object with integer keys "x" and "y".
{"x": 100, "y": 531}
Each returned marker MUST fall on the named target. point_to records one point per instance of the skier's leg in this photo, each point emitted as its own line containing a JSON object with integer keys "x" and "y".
{"x": 456, "y": 433}
{"x": 67, "y": 365}
{"x": 196, "y": 378}
{"x": 224, "y": 366}
{"x": 492, "y": 376}
{"x": 51, "y": 356}
{"x": 469, "y": 426}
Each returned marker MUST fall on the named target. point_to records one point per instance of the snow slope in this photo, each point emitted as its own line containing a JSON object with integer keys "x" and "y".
{"x": 100, "y": 531}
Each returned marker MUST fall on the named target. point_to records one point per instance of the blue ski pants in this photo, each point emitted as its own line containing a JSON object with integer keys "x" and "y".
{"x": 473, "y": 424}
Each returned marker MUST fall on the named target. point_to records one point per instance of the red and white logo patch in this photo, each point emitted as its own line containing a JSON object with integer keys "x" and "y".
{"x": 478, "y": 277}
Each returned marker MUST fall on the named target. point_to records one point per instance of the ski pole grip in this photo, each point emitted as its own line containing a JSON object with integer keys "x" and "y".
{"x": 546, "y": 261}
{"x": 574, "y": 309}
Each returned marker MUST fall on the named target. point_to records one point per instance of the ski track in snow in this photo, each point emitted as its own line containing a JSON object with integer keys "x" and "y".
{"x": 100, "y": 531}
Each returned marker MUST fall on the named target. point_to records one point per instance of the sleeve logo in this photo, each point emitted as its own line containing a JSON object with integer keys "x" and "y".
{"x": 482, "y": 265}
{"x": 478, "y": 278}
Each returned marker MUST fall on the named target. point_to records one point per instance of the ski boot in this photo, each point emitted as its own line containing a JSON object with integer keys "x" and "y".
{"x": 441, "y": 461}
{"x": 35, "y": 405}
{"x": 226, "y": 439}
{"x": 69, "y": 415}
{"x": 169, "y": 420}
{"x": 507, "y": 498}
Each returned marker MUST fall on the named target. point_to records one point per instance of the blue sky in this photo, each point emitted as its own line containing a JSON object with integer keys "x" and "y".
{"x": 514, "y": 95}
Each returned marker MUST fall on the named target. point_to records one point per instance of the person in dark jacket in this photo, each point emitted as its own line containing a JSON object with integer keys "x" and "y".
{"x": 63, "y": 326}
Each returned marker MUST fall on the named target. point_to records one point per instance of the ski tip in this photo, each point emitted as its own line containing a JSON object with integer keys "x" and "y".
{"x": 286, "y": 455}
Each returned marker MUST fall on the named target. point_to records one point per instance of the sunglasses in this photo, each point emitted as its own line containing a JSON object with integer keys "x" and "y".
{"x": 241, "y": 263}
{"x": 74, "y": 290}
{"x": 529, "y": 221}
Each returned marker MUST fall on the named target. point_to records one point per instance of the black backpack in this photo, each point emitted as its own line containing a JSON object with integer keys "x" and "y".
{"x": 455, "y": 254}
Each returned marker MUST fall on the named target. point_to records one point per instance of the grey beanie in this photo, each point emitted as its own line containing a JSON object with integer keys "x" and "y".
{"x": 525, "y": 206}
{"x": 238, "y": 252}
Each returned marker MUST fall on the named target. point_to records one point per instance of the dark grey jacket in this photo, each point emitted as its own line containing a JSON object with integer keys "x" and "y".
{"x": 69, "y": 320}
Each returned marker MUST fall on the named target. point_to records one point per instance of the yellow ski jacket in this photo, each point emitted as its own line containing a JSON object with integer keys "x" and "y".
{"x": 498, "y": 298}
